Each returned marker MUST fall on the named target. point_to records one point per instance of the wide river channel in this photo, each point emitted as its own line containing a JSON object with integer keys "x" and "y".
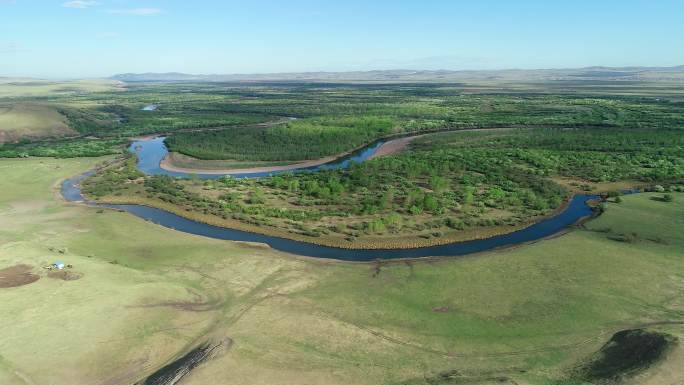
{"x": 150, "y": 153}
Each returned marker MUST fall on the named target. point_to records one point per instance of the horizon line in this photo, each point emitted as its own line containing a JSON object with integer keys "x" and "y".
{"x": 504, "y": 69}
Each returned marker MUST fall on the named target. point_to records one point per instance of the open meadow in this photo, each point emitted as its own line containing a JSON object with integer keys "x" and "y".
{"x": 140, "y": 296}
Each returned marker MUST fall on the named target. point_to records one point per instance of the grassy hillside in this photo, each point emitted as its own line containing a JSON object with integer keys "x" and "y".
{"x": 31, "y": 121}
{"x": 148, "y": 294}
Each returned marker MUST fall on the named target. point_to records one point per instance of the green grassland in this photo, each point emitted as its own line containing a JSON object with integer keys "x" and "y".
{"x": 527, "y": 315}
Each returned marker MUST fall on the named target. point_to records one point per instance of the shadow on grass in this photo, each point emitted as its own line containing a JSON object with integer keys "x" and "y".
{"x": 665, "y": 198}
{"x": 628, "y": 352}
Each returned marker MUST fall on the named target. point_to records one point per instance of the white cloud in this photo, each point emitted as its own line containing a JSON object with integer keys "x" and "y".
{"x": 136, "y": 11}
{"x": 81, "y": 4}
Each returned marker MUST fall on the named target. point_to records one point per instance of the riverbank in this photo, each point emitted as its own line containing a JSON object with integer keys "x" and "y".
{"x": 367, "y": 243}
{"x": 389, "y": 147}
{"x": 339, "y": 232}
{"x": 168, "y": 164}
{"x": 394, "y": 146}
{"x": 209, "y": 203}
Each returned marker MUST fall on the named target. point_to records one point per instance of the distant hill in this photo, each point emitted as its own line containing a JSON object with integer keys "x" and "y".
{"x": 152, "y": 77}
{"x": 398, "y": 76}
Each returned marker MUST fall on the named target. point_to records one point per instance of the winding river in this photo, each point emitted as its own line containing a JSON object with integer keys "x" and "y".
{"x": 151, "y": 151}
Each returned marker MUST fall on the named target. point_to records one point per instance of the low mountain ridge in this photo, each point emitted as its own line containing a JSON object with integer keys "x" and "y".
{"x": 588, "y": 73}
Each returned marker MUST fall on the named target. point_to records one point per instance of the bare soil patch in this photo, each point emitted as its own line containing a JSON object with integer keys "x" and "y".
{"x": 441, "y": 309}
{"x": 18, "y": 275}
{"x": 65, "y": 275}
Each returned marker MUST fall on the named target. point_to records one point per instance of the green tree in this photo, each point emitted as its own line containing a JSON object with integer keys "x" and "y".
{"x": 430, "y": 203}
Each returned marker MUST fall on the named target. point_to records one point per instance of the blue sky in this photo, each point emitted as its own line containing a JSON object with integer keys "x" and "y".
{"x": 91, "y": 38}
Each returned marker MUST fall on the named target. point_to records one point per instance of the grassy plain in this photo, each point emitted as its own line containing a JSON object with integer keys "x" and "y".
{"x": 24, "y": 87}
{"x": 148, "y": 294}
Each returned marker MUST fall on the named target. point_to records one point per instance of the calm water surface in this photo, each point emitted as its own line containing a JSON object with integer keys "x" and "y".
{"x": 151, "y": 152}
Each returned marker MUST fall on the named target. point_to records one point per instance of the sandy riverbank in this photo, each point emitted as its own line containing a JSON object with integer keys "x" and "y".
{"x": 388, "y": 148}
{"x": 394, "y": 146}
{"x": 167, "y": 164}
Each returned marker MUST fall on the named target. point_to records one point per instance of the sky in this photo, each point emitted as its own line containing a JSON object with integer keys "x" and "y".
{"x": 99, "y": 38}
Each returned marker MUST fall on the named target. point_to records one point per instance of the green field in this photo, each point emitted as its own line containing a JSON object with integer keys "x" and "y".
{"x": 148, "y": 294}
